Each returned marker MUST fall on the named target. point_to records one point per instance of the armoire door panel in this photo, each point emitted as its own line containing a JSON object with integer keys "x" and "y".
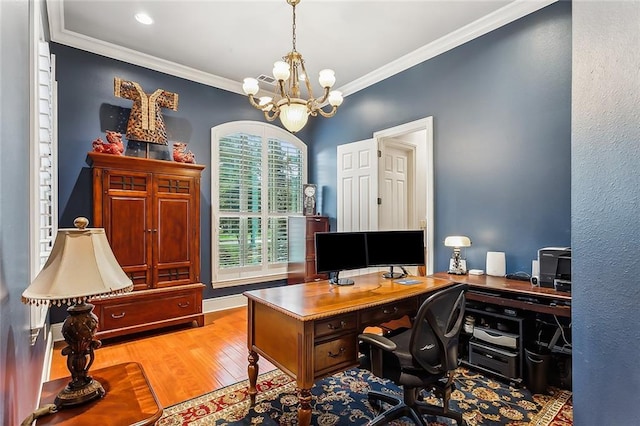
{"x": 128, "y": 230}
{"x": 173, "y": 230}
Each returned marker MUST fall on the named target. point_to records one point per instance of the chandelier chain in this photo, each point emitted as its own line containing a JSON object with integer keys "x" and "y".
{"x": 294, "y": 27}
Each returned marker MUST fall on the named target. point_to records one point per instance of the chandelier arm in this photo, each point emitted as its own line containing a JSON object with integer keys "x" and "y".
{"x": 275, "y": 112}
{"x": 307, "y": 79}
{"x": 324, "y": 97}
{"x": 281, "y": 89}
{"x": 328, "y": 114}
{"x": 252, "y": 101}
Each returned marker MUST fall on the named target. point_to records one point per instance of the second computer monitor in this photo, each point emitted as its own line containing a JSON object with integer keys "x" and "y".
{"x": 395, "y": 248}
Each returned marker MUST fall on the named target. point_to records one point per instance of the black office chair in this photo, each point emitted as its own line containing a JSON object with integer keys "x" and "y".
{"x": 422, "y": 357}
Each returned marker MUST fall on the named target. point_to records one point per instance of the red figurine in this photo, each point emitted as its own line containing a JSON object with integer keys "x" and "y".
{"x": 113, "y": 146}
{"x": 181, "y": 155}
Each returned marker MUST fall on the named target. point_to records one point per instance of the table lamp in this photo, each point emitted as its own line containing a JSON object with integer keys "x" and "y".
{"x": 81, "y": 266}
{"x": 457, "y": 265}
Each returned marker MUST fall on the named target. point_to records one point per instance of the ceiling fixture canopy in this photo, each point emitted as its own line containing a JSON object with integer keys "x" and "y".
{"x": 287, "y": 102}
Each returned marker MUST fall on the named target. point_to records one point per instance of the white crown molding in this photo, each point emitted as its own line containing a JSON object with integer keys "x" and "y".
{"x": 505, "y": 15}
{"x": 497, "y": 19}
{"x": 69, "y": 38}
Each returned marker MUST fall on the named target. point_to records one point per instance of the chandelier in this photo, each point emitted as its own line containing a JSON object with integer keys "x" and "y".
{"x": 287, "y": 103}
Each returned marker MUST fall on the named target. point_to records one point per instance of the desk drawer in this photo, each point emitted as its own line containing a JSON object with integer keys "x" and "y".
{"x": 335, "y": 353}
{"x": 387, "y": 312}
{"x": 336, "y": 325}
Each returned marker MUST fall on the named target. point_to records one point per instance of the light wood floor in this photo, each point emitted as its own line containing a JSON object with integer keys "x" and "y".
{"x": 184, "y": 362}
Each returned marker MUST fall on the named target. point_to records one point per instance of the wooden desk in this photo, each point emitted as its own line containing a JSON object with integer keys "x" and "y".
{"x": 129, "y": 400}
{"x": 512, "y": 293}
{"x": 310, "y": 330}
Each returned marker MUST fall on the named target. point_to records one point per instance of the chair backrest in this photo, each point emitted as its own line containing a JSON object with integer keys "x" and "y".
{"x": 434, "y": 337}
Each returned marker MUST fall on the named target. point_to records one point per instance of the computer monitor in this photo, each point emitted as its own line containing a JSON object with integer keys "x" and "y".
{"x": 395, "y": 248}
{"x": 340, "y": 251}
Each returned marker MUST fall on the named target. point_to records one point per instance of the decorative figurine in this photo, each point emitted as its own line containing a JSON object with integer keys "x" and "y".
{"x": 145, "y": 121}
{"x": 181, "y": 155}
{"x": 113, "y": 146}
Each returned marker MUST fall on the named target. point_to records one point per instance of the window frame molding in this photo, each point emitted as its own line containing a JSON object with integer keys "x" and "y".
{"x": 265, "y": 130}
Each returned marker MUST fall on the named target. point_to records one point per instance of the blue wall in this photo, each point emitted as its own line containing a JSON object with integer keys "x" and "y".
{"x": 20, "y": 363}
{"x": 501, "y": 106}
{"x": 605, "y": 213}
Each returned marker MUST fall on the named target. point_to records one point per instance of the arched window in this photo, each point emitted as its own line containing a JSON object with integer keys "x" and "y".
{"x": 257, "y": 175}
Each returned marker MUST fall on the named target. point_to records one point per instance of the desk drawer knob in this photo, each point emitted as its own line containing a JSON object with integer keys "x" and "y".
{"x": 337, "y": 327}
{"x": 340, "y": 352}
{"x": 390, "y": 311}
{"x": 183, "y": 305}
{"x": 118, "y": 316}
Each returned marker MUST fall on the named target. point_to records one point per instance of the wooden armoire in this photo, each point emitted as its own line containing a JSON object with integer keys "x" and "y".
{"x": 150, "y": 210}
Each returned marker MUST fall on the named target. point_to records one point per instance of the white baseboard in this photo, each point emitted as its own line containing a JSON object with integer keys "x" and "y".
{"x": 225, "y": 302}
{"x": 208, "y": 305}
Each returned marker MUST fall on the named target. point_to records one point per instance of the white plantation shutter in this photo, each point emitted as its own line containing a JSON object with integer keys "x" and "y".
{"x": 257, "y": 184}
{"x": 45, "y": 161}
{"x": 43, "y": 172}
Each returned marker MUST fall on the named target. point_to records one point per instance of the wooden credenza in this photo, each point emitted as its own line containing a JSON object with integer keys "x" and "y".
{"x": 302, "y": 249}
{"x": 150, "y": 210}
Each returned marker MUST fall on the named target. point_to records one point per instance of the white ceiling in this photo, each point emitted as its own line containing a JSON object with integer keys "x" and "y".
{"x": 219, "y": 42}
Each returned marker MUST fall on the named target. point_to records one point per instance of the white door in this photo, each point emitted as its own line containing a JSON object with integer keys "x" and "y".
{"x": 395, "y": 187}
{"x": 358, "y": 186}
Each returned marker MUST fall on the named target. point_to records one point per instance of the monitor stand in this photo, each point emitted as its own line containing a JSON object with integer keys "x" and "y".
{"x": 393, "y": 275}
{"x": 341, "y": 281}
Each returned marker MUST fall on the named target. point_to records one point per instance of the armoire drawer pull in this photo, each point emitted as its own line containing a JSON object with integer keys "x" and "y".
{"x": 184, "y": 305}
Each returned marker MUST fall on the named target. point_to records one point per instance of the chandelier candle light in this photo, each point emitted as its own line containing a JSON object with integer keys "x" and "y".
{"x": 287, "y": 102}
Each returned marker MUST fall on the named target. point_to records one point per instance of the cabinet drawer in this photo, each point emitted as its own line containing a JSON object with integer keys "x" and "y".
{"x": 387, "y": 312}
{"x": 335, "y": 353}
{"x": 316, "y": 224}
{"x": 337, "y": 325}
{"x": 132, "y": 313}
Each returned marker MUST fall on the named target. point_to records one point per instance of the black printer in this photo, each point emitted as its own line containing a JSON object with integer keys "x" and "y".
{"x": 555, "y": 268}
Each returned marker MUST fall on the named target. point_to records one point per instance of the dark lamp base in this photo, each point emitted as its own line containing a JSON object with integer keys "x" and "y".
{"x": 69, "y": 397}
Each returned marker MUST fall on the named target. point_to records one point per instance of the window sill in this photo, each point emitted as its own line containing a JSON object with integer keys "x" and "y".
{"x": 249, "y": 280}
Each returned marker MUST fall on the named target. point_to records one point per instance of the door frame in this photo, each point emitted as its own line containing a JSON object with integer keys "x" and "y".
{"x": 414, "y": 126}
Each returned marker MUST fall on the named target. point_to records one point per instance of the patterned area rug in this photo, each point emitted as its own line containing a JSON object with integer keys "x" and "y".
{"x": 342, "y": 400}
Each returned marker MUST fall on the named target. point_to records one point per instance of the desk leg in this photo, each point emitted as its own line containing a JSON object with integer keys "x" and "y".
{"x": 252, "y": 372}
{"x": 304, "y": 411}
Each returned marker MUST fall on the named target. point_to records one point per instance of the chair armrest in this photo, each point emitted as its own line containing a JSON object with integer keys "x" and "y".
{"x": 378, "y": 341}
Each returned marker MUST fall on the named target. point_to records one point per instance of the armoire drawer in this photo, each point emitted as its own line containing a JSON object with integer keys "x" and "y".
{"x": 135, "y": 312}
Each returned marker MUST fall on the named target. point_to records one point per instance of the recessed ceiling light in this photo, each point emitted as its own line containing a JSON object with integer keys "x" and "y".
{"x": 143, "y": 18}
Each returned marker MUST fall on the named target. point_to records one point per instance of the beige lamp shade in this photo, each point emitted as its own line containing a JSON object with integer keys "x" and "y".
{"x": 457, "y": 241}
{"x": 81, "y": 266}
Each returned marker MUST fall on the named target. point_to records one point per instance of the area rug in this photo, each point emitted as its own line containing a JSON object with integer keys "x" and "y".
{"x": 341, "y": 399}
